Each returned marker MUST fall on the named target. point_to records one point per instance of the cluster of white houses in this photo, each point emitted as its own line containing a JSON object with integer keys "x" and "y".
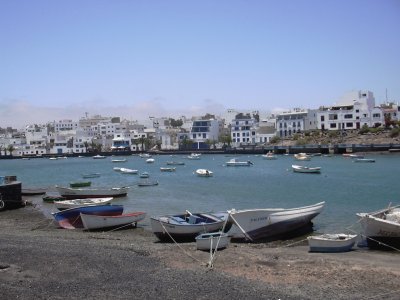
{"x": 353, "y": 111}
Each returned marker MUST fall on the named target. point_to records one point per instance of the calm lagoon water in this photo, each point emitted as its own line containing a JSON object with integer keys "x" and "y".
{"x": 345, "y": 186}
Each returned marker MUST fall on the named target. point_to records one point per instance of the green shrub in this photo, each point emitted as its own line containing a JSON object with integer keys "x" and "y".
{"x": 274, "y": 139}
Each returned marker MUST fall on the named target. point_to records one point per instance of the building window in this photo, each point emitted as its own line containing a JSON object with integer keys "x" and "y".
{"x": 332, "y": 125}
{"x": 348, "y": 116}
{"x": 349, "y": 125}
{"x": 322, "y": 118}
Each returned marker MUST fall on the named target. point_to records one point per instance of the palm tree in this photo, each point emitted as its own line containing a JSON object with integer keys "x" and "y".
{"x": 10, "y": 149}
{"x": 142, "y": 140}
{"x": 86, "y": 144}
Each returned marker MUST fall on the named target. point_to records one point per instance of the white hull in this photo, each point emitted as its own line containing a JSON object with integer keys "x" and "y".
{"x": 303, "y": 169}
{"x": 91, "y": 222}
{"x": 75, "y": 193}
{"x": 65, "y": 204}
{"x": 204, "y": 173}
{"x": 382, "y": 226}
{"x": 165, "y": 226}
{"x": 235, "y": 163}
{"x": 215, "y": 240}
{"x": 269, "y": 222}
{"x": 332, "y": 242}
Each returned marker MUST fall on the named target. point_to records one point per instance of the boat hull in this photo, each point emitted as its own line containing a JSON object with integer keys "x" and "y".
{"x": 71, "y": 219}
{"x": 92, "y": 222}
{"x": 70, "y": 193}
{"x": 380, "y": 233}
{"x": 65, "y": 204}
{"x": 216, "y": 240}
{"x": 256, "y": 224}
{"x": 330, "y": 243}
{"x": 165, "y": 227}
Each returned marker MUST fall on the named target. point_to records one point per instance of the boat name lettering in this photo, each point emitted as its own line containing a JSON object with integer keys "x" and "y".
{"x": 258, "y": 219}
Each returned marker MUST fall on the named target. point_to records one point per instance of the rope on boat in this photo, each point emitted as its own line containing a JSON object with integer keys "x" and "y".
{"x": 184, "y": 251}
{"x": 210, "y": 263}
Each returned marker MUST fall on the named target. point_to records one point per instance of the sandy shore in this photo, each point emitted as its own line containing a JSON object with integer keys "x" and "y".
{"x": 38, "y": 260}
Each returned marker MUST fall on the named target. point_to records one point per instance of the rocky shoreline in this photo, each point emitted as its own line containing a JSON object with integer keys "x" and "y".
{"x": 41, "y": 261}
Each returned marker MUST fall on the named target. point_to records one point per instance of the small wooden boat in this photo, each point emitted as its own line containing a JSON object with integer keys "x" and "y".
{"x": 302, "y": 156}
{"x": 204, "y": 173}
{"x": 338, "y": 242}
{"x": 175, "y": 163}
{"x": 128, "y": 171}
{"x": 185, "y": 226}
{"x": 78, "y": 184}
{"x": 91, "y": 222}
{"x": 91, "y": 175}
{"x": 167, "y": 169}
{"x": 119, "y": 160}
{"x": 144, "y": 175}
{"x": 213, "y": 240}
{"x": 364, "y": 160}
{"x": 80, "y": 193}
{"x": 53, "y": 198}
{"x": 33, "y": 191}
{"x": 381, "y": 228}
{"x": 304, "y": 169}
{"x": 71, "y": 218}
{"x": 269, "y": 156}
{"x": 234, "y": 162}
{"x": 147, "y": 182}
{"x": 65, "y": 204}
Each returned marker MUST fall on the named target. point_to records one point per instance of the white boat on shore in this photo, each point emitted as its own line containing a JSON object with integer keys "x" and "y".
{"x": 264, "y": 223}
{"x": 304, "y": 169}
{"x": 332, "y": 242}
{"x": 204, "y": 173}
{"x": 185, "y": 226}
{"x": 65, "y": 204}
{"x": 92, "y": 222}
{"x": 73, "y": 193}
{"x": 212, "y": 240}
{"x": 234, "y": 162}
{"x": 382, "y": 228}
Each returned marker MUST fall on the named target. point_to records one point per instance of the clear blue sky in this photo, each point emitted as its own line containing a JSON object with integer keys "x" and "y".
{"x": 60, "y": 59}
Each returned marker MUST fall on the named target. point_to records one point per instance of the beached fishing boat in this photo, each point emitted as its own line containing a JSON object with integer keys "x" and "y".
{"x": 185, "y": 226}
{"x": 212, "y": 240}
{"x": 33, "y": 191}
{"x": 268, "y": 223}
{"x": 381, "y": 228}
{"x": 71, "y": 218}
{"x": 78, "y": 184}
{"x": 65, "y": 204}
{"x": 77, "y": 193}
{"x": 336, "y": 242}
{"x": 92, "y": 222}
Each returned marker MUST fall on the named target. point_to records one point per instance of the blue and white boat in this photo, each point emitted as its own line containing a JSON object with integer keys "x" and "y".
{"x": 71, "y": 219}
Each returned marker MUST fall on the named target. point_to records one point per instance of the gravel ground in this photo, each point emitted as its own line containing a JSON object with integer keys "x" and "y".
{"x": 38, "y": 260}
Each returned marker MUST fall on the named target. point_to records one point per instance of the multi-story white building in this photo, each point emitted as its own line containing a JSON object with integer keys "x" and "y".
{"x": 353, "y": 111}
{"x": 243, "y": 130}
{"x": 64, "y": 125}
{"x": 295, "y": 121}
{"x": 203, "y": 132}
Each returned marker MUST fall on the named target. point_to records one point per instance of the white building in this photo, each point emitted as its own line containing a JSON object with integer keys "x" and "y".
{"x": 203, "y": 132}
{"x": 353, "y": 111}
{"x": 243, "y": 130}
{"x": 295, "y": 121}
